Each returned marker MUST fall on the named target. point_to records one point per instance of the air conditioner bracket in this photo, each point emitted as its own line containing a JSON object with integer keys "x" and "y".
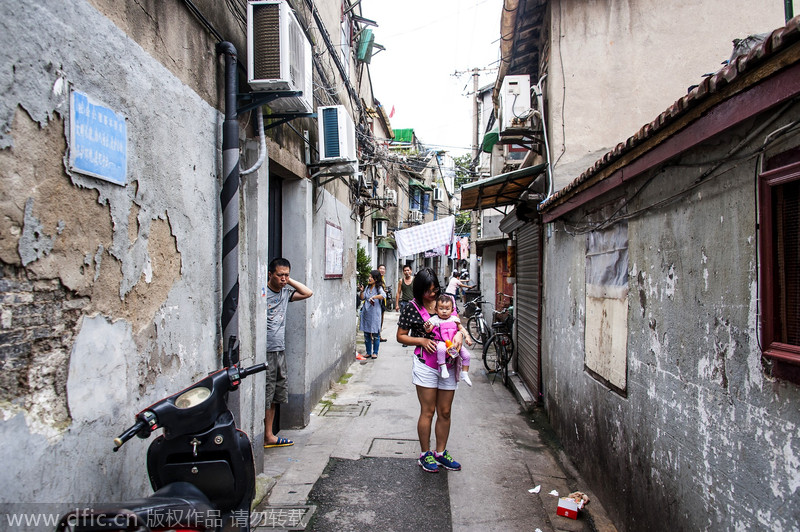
{"x": 251, "y": 100}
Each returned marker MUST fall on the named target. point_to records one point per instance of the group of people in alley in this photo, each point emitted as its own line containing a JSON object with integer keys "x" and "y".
{"x": 428, "y": 321}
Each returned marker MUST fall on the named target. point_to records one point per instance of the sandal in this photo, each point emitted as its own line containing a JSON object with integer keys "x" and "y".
{"x": 282, "y": 442}
{"x": 374, "y": 356}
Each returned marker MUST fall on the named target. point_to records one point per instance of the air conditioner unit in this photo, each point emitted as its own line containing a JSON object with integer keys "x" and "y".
{"x": 515, "y": 101}
{"x": 381, "y": 227}
{"x": 337, "y": 134}
{"x": 414, "y": 216}
{"x": 278, "y": 55}
{"x": 438, "y": 195}
{"x": 391, "y": 197}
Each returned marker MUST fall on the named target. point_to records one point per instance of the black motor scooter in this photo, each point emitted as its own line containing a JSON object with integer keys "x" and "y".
{"x": 201, "y": 467}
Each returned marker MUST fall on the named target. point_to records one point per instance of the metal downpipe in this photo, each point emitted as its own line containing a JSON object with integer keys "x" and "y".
{"x": 229, "y": 200}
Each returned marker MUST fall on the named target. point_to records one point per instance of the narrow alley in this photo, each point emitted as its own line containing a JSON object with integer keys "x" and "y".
{"x": 613, "y": 185}
{"x": 354, "y": 466}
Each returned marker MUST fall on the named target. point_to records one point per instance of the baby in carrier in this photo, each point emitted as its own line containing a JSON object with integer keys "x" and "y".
{"x": 445, "y": 325}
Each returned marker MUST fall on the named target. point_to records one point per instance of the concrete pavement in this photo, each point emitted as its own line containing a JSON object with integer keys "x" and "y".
{"x": 372, "y": 412}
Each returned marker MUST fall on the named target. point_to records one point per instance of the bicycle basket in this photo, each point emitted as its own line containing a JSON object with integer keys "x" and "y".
{"x": 469, "y": 309}
{"x": 506, "y": 318}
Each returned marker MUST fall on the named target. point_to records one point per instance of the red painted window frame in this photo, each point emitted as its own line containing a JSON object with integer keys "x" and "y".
{"x": 782, "y": 354}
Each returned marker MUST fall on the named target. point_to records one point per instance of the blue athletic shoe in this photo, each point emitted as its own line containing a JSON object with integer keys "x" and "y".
{"x": 428, "y": 463}
{"x": 447, "y": 462}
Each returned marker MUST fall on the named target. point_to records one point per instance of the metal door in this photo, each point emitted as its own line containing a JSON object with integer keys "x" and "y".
{"x": 528, "y": 305}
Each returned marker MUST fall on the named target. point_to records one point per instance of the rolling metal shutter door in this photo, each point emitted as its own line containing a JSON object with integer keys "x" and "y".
{"x": 528, "y": 304}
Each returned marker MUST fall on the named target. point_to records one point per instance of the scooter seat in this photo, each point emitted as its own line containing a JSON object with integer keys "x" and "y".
{"x": 176, "y": 505}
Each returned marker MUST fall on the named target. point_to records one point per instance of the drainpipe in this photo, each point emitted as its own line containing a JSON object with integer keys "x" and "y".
{"x": 229, "y": 200}
{"x": 540, "y": 108}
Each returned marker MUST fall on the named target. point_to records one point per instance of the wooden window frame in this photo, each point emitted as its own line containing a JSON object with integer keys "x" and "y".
{"x": 785, "y": 357}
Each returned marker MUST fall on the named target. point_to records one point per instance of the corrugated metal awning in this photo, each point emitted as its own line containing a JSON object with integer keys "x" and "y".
{"x": 387, "y": 243}
{"x": 414, "y": 183}
{"x": 500, "y": 190}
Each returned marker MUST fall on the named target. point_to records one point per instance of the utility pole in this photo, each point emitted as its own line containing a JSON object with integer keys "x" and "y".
{"x": 473, "y": 231}
{"x": 474, "y": 215}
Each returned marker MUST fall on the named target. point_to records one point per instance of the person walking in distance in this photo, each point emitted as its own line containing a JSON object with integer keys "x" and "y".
{"x": 371, "y": 314}
{"x": 382, "y": 271}
{"x": 456, "y": 283}
{"x": 434, "y": 392}
{"x": 281, "y": 290}
{"x": 405, "y": 289}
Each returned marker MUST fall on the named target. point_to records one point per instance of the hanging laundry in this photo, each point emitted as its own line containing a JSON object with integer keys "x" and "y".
{"x": 425, "y": 237}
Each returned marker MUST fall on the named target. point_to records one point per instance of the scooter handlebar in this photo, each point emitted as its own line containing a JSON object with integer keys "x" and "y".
{"x": 128, "y": 434}
{"x": 244, "y": 372}
{"x": 163, "y": 413}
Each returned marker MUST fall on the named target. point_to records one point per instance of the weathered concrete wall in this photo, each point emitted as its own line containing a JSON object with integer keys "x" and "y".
{"x": 704, "y": 438}
{"x": 488, "y": 275}
{"x": 110, "y": 294}
{"x": 620, "y": 63}
{"x": 253, "y": 262}
{"x": 320, "y": 331}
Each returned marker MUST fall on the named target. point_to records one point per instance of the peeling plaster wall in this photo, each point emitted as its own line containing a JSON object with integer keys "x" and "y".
{"x": 705, "y": 439}
{"x": 320, "y": 331}
{"x": 140, "y": 262}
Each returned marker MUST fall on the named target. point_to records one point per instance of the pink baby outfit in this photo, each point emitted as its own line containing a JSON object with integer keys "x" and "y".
{"x": 446, "y": 330}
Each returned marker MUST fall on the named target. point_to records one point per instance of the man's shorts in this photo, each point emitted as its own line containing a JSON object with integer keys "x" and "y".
{"x": 277, "y": 389}
{"x": 427, "y": 377}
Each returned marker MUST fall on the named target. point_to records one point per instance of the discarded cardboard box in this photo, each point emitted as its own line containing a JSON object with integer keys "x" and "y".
{"x": 568, "y": 507}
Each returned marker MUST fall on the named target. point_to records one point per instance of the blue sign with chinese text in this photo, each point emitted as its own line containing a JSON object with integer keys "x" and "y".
{"x": 98, "y": 140}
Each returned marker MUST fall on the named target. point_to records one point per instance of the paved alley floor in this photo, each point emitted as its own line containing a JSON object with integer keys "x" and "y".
{"x": 354, "y": 466}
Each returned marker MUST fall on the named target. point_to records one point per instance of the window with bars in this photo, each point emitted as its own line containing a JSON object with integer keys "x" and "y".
{"x": 779, "y": 228}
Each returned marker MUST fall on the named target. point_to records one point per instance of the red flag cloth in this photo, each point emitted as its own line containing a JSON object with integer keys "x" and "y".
{"x": 391, "y": 114}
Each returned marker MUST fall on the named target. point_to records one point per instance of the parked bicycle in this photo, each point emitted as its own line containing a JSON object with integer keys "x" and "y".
{"x": 499, "y": 348}
{"x": 477, "y": 327}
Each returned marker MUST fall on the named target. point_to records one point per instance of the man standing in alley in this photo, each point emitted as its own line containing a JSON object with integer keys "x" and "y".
{"x": 405, "y": 289}
{"x": 281, "y": 290}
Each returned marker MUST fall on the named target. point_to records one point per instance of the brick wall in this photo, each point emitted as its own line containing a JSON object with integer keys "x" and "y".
{"x": 38, "y": 321}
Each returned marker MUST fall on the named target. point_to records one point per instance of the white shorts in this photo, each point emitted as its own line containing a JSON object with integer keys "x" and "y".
{"x": 427, "y": 377}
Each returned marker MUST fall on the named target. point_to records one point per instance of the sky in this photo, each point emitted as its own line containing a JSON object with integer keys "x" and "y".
{"x": 426, "y": 42}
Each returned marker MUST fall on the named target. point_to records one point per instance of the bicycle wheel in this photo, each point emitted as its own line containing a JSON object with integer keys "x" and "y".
{"x": 507, "y": 350}
{"x": 474, "y": 329}
{"x": 493, "y": 354}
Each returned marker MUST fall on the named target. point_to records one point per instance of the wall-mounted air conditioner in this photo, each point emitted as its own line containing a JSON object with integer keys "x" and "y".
{"x": 515, "y": 101}
{"x": 278, "y": 55}
{"x": 381, "y": 227}
{"x": 337, "y": 134}
{"x": 415, "y": 216}
{"x": 438, "y": 195}
{"x": 391, "y": 197}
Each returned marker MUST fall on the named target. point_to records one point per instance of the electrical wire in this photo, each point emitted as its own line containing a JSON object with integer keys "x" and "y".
{"x": 758, "y": 168}
{"x": 563, "y": 87}
{"x": 583, "y": 227}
